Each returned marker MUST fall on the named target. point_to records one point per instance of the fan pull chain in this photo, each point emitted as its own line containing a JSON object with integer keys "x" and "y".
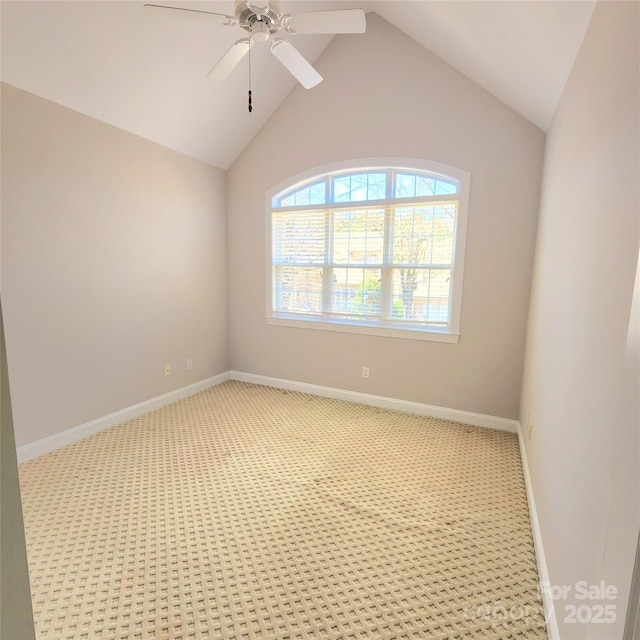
{"x": 250, "y": 106}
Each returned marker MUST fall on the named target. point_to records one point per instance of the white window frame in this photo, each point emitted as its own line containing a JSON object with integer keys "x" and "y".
{"x": 451, "y": 332}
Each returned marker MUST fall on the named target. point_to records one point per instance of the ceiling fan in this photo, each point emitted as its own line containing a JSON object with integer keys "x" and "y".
{"x": 263, "y": 20}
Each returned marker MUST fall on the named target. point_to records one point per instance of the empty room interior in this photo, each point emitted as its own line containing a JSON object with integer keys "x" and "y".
{"x": 321, "y": 319}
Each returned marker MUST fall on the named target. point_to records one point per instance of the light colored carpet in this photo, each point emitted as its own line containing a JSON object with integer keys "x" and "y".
{"x": 247, "y": 512}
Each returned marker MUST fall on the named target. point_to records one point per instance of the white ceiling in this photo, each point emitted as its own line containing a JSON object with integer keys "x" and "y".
{"x": 148, "y": 75}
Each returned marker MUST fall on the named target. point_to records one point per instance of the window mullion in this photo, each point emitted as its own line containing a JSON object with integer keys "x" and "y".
{"x": 386, "y": 278}
{"x": 327, "y": 271}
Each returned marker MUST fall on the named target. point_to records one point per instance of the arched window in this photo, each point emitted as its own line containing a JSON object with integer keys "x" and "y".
{"x": 375, "y": 247}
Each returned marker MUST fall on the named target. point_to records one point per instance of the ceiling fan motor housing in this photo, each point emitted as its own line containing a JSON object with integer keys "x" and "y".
{"x": 247, "y": 16}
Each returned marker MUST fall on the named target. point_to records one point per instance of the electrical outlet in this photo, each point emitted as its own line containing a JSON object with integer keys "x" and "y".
{"x": 167, "y": 369}
{"x": 189, "y": 364}
{"x": 365, "y": 372}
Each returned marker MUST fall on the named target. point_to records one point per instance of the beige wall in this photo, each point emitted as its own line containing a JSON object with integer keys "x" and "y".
{"x": 581, "y": 375}
{"x": 113, "y": 265}
{"x": 394, "y": 98}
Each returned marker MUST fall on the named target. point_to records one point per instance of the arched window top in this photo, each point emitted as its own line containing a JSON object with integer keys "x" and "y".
{"x": 314, "y": 193}
{"x": 414, "y": 185}
{"x": 366, "y": 185}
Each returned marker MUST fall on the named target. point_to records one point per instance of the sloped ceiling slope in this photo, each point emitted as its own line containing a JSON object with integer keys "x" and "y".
{"x": 521, "y": 52}
{"x": 148, "y": 76}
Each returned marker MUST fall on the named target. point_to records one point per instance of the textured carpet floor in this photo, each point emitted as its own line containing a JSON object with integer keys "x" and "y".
{"x": 247, "y": 512}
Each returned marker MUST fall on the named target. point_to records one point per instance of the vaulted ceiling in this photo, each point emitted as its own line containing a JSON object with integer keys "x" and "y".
{"x": 109, "y": 60}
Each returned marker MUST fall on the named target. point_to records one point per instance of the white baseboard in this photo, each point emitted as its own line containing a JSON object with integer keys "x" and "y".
{"x": 543, "y": 572}
{"x": 382, "y": 402}
{"x": 58, "y": 440}
{"x": 47, "y": 445}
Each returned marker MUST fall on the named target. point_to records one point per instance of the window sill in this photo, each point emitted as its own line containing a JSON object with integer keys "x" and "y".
{"x": 406, "y": 333}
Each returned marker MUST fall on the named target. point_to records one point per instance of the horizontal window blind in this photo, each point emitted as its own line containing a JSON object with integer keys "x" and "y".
{"x": 391, "y": 263}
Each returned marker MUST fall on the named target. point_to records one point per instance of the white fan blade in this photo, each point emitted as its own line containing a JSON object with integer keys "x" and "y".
{"x": 230, "y": 59}
{"x": 188, "y": 14}
{"x": 293, "y": 60}
{"x": 339, "y": 21}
